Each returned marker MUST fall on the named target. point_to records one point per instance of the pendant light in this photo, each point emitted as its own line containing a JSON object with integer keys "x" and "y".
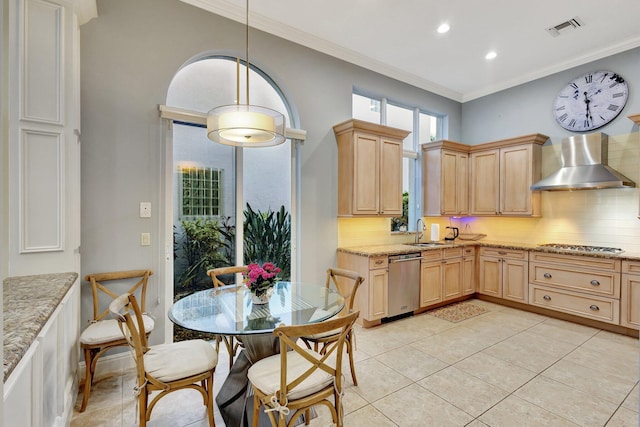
{"x": 245, "y": 125}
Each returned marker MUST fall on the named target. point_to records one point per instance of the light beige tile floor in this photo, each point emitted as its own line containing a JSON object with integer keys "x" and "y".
{"x": 505, "y": 367}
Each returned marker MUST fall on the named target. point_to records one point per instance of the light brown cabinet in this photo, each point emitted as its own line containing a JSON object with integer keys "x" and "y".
{"x": 372, "y": 296}
{"x": 468, "y": 270}
{"x": 445, "y": 178}
{"x": 369, "y": 169}
{"x": 630, "y": 295}
{"x": 583, "y": 286}
{"x": 501, "y": 174}
{"x": 503, "y": 273}
{"x": 442, "y": 276}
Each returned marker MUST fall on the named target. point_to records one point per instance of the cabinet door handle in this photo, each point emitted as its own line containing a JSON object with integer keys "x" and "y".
{"x": 594, "y": 307}
{"x": 548, "y": 276}
{"x": 594, "y": 282}
{"x": 547, "y": 298}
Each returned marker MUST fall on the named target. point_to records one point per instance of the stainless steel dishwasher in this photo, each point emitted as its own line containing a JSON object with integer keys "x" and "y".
{"x": 404, "y": 283}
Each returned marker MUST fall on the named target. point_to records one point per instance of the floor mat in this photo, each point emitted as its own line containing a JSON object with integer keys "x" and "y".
{"x": 458, "y": 312}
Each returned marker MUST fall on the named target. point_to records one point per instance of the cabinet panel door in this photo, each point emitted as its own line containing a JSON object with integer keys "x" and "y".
{"x": 468, "y": 275}
{"x": 462, "y": 184}
{"x": 484, "y": 182}
{"x": 452, "y": 281}
{"x": 449, "y": 190}
{"x": 430, "y": 283}
{"x": 490, "y": 279}
{"x": 630, "y": 301}
{"x": 515, "y": 280}
{"x": 378, "y": 285}
{"x": 390, "y": 177}
{"x": 366, "y": 163}
{"x": 515, "y": 180}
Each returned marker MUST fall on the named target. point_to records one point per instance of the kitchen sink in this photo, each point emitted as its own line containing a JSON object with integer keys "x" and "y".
{"x": 429, "y": 245}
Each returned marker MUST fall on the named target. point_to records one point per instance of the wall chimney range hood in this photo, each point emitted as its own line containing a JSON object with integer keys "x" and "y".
{"x": 584, "y": 166}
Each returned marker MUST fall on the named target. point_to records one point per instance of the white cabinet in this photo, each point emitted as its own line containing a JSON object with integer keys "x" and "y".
{"x": 44, "y": 151}
{"x": 41, "y": 390}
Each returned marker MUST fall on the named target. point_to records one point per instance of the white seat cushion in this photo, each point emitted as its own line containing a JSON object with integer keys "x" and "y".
{"x": 325, "y": 334}
{"x": 265, "y": 375}
{"x": 168, "y": 362}
{"x": 108, "y": 330}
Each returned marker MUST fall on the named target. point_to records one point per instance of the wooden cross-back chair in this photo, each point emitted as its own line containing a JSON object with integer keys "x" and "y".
{"x": 231, "y": 343}
{"x": 298, "y": 378}
{"x": 103, "y": 333}
{"x": 347, "y": 283}
{"x": 165, "y": 368}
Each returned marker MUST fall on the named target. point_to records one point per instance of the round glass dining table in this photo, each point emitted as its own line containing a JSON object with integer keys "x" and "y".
{"x": 228, "y": 310}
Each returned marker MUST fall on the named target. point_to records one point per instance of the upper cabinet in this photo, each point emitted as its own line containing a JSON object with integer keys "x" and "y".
{"x": 501, "y": 174}
{"x": 369, "y": 169}
{"x": 445, "y": 178}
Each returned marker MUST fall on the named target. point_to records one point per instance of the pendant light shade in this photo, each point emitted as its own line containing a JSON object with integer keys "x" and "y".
{"x": 245, "y": 125}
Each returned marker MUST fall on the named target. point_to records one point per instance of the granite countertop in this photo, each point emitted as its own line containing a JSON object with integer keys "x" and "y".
{"x": 394, "y": 249}
{"x": 28, "y": 303}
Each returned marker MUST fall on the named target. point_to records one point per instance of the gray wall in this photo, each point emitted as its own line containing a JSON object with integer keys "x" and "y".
{"x": 527, "y": 108}
{"x": 129, "y": 54}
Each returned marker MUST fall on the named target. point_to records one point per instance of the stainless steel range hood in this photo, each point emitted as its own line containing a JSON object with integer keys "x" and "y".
{"x": 584, "y": 166}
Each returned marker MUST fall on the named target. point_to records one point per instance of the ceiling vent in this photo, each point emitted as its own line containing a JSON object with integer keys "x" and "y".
{"x": 565, "y": 26}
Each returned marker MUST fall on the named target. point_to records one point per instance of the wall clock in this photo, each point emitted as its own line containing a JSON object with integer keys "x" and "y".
{"x": 591, "y": 101}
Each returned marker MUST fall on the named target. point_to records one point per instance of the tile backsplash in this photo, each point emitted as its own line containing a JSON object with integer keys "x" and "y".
{"x": 594, "y": 217}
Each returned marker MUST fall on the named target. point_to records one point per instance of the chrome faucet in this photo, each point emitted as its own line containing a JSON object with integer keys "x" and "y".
{"x": 419, "y": 231}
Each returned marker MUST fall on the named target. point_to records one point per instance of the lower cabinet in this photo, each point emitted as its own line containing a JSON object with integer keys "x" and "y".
{"x": 630, "y": 295}
{"x": 468, "y": 270}
{"x": 583, "y": 286}
{"x": 445, "y": 275}
{"x": 503, "y": 273}
{"x": 372, "y": 296}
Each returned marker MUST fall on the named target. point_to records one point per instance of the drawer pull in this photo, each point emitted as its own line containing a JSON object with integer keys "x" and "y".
{"x": 594, "y": 307}
{"x": 379, "y": 262}
{"x": 546, "y": 298}
{"x": 594, "y": 282}
{"x": 547, "y": 275}
{"x": 502, "y": 253}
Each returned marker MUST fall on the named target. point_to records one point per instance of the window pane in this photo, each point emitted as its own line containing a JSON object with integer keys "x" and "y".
{"x": 428, "y": 128}
{"x": 401, "y": 118}
{"x": 366, "y": 109}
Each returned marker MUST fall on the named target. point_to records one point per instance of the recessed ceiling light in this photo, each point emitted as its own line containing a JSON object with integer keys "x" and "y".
{"x": 443, "y": 28}
{"x": 491, "y": 55}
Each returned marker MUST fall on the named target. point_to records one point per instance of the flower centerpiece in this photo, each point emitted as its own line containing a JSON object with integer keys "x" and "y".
{"x": 260, "y": 281}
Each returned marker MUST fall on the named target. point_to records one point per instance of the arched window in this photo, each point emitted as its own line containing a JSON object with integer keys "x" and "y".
{"x": 216, "y": 186}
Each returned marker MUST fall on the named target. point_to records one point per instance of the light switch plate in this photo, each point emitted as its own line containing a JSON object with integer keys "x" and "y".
{"x": 145, "y": 209}
{"x": 145, "y": 239}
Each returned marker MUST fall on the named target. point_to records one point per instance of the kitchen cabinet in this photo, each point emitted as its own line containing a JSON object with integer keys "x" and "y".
{"x": 441, "y": 276}
{"x": 468, "y": 270}
{"x": 503, "y": 273}
{"x": 372, "y": 296}
{"x": 501, "y": 174}
{"x": 630, "y": 295}
{"x": 579, "y": 285}
{"x": 445, "y": 178}
{"x": 369, "y": 169}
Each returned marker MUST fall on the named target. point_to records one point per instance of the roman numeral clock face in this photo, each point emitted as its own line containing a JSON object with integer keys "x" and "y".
{"x": 591, "y": 101}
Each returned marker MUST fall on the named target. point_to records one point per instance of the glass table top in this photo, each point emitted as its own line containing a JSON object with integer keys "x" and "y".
{"x": 229, "y": 310}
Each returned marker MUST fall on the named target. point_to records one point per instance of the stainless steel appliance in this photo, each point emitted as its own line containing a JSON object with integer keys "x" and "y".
{"x": 582, "y": 248}
{"x": 404, "y": 283}
{"x": 584, "y": 161}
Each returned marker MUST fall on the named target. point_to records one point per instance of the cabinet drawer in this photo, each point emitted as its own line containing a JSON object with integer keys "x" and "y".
{"x": 469, "y": 251}
{"x": 595, "y": 282}
{"x": 631, "y": 267}
{"x": 504, "y": 253}
{"x": 432, "y": 255}
{"x": 592, "y": 307}
{"x": 577, "y": 260}
{"x": 378, "y": 262}
{"x": 451, "y": 253}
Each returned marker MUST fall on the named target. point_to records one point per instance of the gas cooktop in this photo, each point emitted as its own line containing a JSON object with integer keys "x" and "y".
{"x": 582, "y": 248}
